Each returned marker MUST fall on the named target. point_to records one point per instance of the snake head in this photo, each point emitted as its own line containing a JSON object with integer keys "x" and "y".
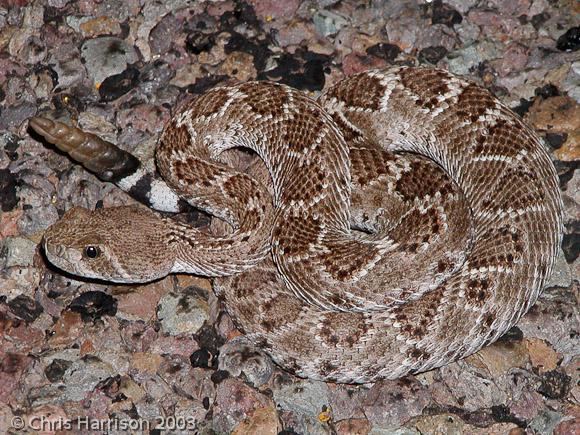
{"x": 121, "y": 244}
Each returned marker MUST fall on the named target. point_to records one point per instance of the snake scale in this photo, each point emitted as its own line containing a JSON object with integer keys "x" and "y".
{"x": 403, "y": 221}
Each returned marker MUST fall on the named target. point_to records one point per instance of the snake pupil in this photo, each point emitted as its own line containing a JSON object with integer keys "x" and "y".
{"x": 91, "y": 251}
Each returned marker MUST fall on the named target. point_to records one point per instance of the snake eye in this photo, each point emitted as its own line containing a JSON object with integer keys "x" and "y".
{"x": 92, "y": 252}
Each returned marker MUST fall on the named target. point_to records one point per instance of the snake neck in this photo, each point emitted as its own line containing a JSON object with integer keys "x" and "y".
{"x": 235, "y": 242}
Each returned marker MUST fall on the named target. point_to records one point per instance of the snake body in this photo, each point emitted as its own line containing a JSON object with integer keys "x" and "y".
{"x": 403, "y": 221}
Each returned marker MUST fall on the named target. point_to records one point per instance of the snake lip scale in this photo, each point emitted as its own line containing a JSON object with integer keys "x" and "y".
{"x": 402, "y": 221}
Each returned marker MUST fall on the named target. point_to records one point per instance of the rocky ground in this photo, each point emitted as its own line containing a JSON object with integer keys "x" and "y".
{"x": 72, "y": 351}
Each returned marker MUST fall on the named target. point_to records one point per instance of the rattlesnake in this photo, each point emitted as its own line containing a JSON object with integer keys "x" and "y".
{"x": 402, "y": 222}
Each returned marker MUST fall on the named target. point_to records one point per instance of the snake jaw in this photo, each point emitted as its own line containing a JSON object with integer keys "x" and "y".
{"x": 101, "y": 244}
{"x": 62, "y": 257}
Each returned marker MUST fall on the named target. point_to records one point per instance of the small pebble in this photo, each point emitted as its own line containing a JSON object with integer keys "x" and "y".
{"x": 569, "y": 41}
{"x": 17, "y": 251}
{"x": 25, "y": 308}
{"x": 182, "y": 313}
{"x": 238, "y": 357}
{"x": 202, "y": 358}
{"x": 34, "y": 51}
{"x": 432, "y": 55}
{"x": 12, "y": 116}
{"x": 107, "y": 56}
{"x": 8, "y": 195}
{"x": 100, "y": 26}
{"x": 163, "y": 34}
{"x": 56, "y": 369}
{"x": 66, "y": 62}
{"x": 571, "y": 246}
{"x": 92, "y": 305}
{"x": 545, "y": 422}
{"x": 555, "y": 385}
{"x": 304, "y": 396}
{"x": 118, "y": 85}
{"x": 198, "y": 41}
{"x": 445, "y": 14}
{"x": 235, "y": 403}
{"x": 328, "y": 23}
{"x": 385, "y": 51}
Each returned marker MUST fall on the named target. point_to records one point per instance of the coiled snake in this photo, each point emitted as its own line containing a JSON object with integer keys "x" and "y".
{"x": 402, "y": 222}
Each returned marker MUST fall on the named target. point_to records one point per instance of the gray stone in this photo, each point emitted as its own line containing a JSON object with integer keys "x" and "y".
{"x": 545, "y": 421}
{"x": 155, "y": 77}
{"x": 571, "y": 84}
{"x": 473, "y": 389}
{"x": 468, "y": 32}
{"x": 306, "y": 397}
{"x": 18, "y": 91}
{"x": 93, "y": 189}
{"x": 13, "y": 116}
{"x": 326, "y": 3}
{"x": 66, "y": 62}
{"x": 107, "y": 56}
{"x": 42, "y": 85}
{"x": 83, "y": 376}
{"x": 328, "y": 23}
{"x": 393, "y": 9}
{"x": 304, "y": 424}
{"x": 237, "y": 357}
{"x": 33, "y": 51}
{"x": 188, "y": 414}
{"x": 571, "y": 198}
{"x": 461, "y": 6}
{"x": 163, "y": 34}
{"x": 4, "y": 159}
{"x": 462, "y": 61}
{"x": 148, "y": 411}
{"x": 234, "y": 401}
{"x": 554, "y": 315}
{"x": 183, "y": 313}
{"x": 436, "y": 35}
{"x": 46, "y": 394}
{"x": 37, "y": 219}
{"x": 35, "y": 193}
{"x": 64, "y": 354}
{"x": 17, "y": 251}
{"x": 402, "y": 31}
{"x": 33, "y": 17}
{"x": 118, "y": 9}
{"x": 561, "y": 275}
{"x": 391, "y": 404}
{"x": 152, "y": 12}
{"x": 75, "y": 22}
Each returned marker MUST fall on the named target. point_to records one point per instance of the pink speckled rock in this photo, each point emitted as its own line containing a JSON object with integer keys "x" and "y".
{"x": 354, "y": 63}
{"x": 393, "y": 403}
{"x": 234, "y": 402}
{"x": 275, "y": 9}
{"x": 514, "y": 59}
